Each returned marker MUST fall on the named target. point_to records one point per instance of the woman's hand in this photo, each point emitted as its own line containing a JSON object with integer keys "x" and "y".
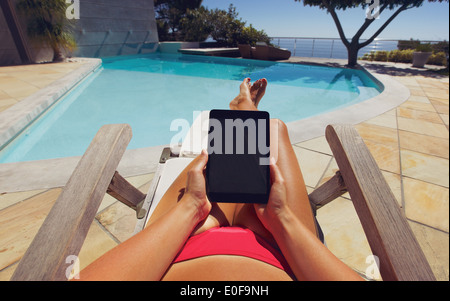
{"x": 195, "y": 193}
{"x": 276, "y": 209}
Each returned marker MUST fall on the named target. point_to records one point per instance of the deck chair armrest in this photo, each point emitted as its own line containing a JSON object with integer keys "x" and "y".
{"x": 386, "y": 228}
{"x": 327, "y": 192}
{"x": 64, "y": 230}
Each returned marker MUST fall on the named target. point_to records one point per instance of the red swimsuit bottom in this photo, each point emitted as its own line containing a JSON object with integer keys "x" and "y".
{"x": 232, "y": 241}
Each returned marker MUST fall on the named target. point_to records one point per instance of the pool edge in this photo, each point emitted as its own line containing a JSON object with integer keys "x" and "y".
{"x": 393, "y": 95}
{"x": 45, "y": 174}
{"x": 16, "y": 118}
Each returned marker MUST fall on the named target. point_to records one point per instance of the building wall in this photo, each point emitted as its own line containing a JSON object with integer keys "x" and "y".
{"x": 105, "y": 28}
{"x": 116, "y": 27}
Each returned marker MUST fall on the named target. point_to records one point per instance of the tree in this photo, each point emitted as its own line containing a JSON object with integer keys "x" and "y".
{"x": 169, "y": 14}
{"x": 224, "y": 26}
{"x": 47, "y": 23}
{"x": 354, "y": 45}
{"x": 196, "y": 25}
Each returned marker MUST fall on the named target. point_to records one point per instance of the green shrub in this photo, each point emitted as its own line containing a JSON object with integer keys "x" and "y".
{"x": 439, "y": 59}
{"x": 424, "y": 47}
{"x": 440, "y": 47}
{"x": 407, "y": 44}
{"x": 370, "y": 56}
{"x": 250, "y": 35}
{"x": 404, "y": 56}
{"x": 381, "y": 56}
{"x": 401, "y": 56}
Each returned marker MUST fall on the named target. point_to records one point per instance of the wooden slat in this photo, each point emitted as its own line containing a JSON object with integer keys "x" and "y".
{"x": 327, "y": 192}
{"x": 123, "y": 191}
{"x": 65, "y": 228}
{"x": 386, "y": 228}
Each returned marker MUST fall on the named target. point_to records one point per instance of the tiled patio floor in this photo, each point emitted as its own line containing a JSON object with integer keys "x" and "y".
{"x": 410, "y": 144}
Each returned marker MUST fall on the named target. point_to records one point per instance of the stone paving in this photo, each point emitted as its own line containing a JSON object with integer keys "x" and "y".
{"x": 410, "y": 144}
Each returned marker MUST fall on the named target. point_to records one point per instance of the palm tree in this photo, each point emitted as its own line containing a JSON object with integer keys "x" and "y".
{"x": 47, "y": 23}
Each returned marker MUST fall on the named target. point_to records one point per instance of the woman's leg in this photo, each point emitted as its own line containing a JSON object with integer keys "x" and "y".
{"x": 223, "y": 214}
{"x": 220, "y": 215}
{"x": 281, "y": 149}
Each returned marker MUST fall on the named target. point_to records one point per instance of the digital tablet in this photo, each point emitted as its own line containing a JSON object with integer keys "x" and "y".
{"x": 239, "y": 154}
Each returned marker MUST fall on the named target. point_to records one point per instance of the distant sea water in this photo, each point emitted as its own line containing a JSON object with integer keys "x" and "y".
{"x": 328, "y": 48}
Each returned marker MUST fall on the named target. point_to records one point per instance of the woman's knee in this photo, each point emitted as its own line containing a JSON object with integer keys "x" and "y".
{"x": 279, "y": 133}
{"x": 279, "y": 125}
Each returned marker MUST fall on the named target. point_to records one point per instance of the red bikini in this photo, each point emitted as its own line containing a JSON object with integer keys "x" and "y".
{"x": 232, "y": 241}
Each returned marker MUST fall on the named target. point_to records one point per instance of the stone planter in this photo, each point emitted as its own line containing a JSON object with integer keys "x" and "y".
{"x": 420, "y": 58}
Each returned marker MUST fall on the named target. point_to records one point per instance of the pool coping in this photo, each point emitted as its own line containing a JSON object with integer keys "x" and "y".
{"x": 46, "y": 174}
{"x": 16, "y": 118}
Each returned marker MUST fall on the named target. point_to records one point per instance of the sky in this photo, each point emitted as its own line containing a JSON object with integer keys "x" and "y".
{"x": 288, "y": 18}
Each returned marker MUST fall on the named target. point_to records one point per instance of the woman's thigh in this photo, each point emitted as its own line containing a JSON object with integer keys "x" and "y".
{"x": 297, "y": 196}
{"x": 220, "y": 215}
{"x": 223, "y": 214}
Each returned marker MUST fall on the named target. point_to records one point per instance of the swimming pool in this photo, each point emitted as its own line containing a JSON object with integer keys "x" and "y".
{"x": 150, "y": 91}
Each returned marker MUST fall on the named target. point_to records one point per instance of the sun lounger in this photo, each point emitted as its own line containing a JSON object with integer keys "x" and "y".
{"x": 246, "y": 51}
{"x": 264, "y": 52}
{"x": 65, "y": 228}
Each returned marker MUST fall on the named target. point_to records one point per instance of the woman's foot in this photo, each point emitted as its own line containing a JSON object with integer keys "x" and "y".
{"x": 258, "y": 90}
{"x": 249, "y": 95}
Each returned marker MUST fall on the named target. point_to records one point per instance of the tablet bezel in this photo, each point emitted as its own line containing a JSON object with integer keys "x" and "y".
{"x": 233, "y": 197}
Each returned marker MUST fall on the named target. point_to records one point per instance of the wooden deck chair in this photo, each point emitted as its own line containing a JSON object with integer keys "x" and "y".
{"x": 65, "y": 228}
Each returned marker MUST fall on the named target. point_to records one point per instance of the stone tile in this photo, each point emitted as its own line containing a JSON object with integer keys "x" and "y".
{"x": 97, "y": 243}
{"x": 424, "y": 144}
{"x": 312, "y": 164}
{"x": 416, "y": 91}
{"x": 3, "y": 95}
{"x": 419, "y": 115}
{"x": 139, "y": 181}
{"x": 410, "y": 82}
{"x": 119, "y": 220}
{"x": 392, "y": 112}
{"x": 386, "y": 156}
{"x": 21, "y": 92}
{"x": 423, "y": 127}
{"x": 386, "y": 120}
{"x": 414, "y": 105}
{"x": 418, "y": 98}
{"x": 435, "y": 245}
{"x": 343, "y": 233}
{"x": 20, "y": 223}
{"x": 7, "y": 103}
{"x": 436, "y": 93}
{"x": 319, "y": 144}
{"x": 425, "y": 167}
{"x": 395, "y": 184}
{"x": 442, "y": 101}
{"x": 444, "y": 118}
{"x": 426, "y": 203}
{"x": 6, "y": 274}
{"x": 440, "y": 105}
{"x": 378, "y": 134}
{"x": 329, "y": 173}
{"x": 9, "y": 199}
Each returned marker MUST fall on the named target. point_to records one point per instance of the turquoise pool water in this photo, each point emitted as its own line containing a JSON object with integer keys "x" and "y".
{"x": 149, "y": 92}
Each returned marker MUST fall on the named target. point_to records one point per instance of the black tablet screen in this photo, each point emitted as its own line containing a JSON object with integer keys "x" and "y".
{"x": 238, "y": 165}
